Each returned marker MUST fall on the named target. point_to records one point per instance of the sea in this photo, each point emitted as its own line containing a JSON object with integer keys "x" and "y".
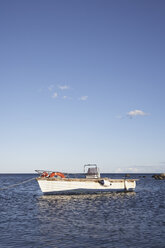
{"x": 28, "y": 219}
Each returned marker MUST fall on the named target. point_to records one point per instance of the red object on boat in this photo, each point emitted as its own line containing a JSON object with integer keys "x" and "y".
{"x": 44, "y": 174}
{"x": 57, "y": 174}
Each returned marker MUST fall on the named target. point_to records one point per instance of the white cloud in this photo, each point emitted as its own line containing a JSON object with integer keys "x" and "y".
{"x": 141, "y": 169}
{"x": 136, "y": 112}
{"x": 50, "y": 88}
{"x": 67, "y": 97}
{"x": 55, "y": 95}
{"x": 63, "y": 87}
{"x": 119, "y": 117}
{"x": 83, "y": 98}
{"x": 127, "y": 170}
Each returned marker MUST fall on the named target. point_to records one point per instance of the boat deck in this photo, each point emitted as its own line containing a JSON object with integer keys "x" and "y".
{"x": 86, "y": 179}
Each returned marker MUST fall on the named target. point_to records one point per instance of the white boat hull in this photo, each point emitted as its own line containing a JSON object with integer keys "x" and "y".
{"x": 84, "y": 186}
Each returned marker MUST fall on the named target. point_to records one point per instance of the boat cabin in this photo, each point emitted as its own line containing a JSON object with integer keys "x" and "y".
{"x": 91, "y": 171}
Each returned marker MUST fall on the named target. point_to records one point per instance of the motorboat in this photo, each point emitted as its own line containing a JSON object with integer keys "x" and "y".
{"x": 54, "y": 182}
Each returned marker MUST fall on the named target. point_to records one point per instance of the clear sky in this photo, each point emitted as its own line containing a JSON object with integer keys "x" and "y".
{"x": 82, "y": 81}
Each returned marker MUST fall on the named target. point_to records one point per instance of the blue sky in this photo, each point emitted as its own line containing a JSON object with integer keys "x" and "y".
{"x": 82, "y": 81}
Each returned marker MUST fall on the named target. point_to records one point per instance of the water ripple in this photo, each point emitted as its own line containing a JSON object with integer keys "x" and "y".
{"x": 122, "y": 220}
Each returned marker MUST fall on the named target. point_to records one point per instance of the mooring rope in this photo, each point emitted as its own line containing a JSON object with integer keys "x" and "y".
{"x": 16, "y": 184}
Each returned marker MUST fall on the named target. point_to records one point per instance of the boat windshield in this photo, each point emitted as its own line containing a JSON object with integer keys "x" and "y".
{"x": 91, "y": 171}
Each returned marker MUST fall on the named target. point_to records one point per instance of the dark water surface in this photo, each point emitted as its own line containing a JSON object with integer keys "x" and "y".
{"x": 119, "y": 220}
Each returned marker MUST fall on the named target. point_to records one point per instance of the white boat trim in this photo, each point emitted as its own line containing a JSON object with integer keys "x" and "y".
{"x": 85, "y": 185}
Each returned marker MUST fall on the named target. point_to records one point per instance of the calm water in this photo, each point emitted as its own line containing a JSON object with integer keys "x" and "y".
{"x": 29, "y": 219}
